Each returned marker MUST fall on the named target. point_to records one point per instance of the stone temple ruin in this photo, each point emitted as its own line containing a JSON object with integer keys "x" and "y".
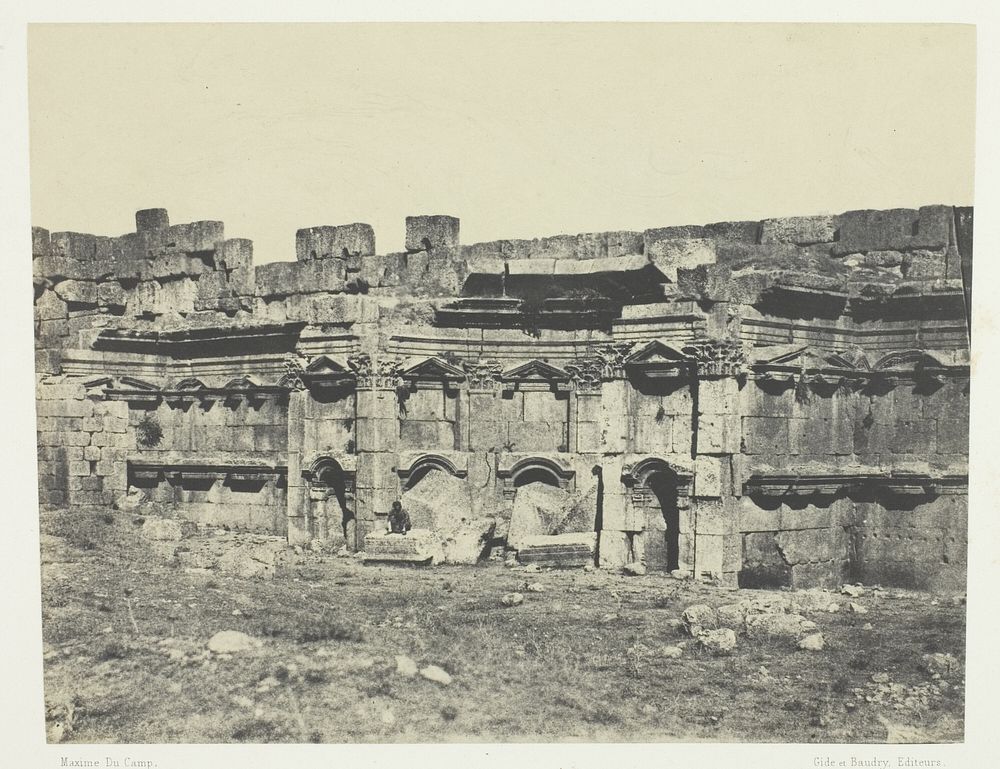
{"x": 782, "y": 402}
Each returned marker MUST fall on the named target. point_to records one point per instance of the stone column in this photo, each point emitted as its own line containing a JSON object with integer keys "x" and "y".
{"x": 717, "y": 541}
{"x": 377, "y": 430}
{"x": 297, "y": 501}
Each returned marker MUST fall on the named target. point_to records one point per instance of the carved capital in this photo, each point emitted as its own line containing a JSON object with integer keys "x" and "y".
{"x": 587, "y": 374}
{"x": 483, "y": 375}
{"x": 611, "y": 359}
{"x": 717, "y": 358}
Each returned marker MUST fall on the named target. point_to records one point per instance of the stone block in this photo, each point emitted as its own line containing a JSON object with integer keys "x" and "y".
{"x": 537, "y": 436}
{"x": 334, "y": 242}
{"x": 80, "y": 246}
{"x": 425, "y": 233}
{"x": 670, "y": 254}
{"x": 914, "y": 437}
{"x": 560, "y": 550}
{"x": 799, "y": 230}
{"x": 765, "y": 435}
{"x": 77, "y": 292}
{"x": 151, "y": 219}
{"x": 708, "y": 553}
{"x": 613, "y": 549}
{"x": 710, "y": 476}
{"x": 50, "y": 306}
{"x": 651, "y": 436}
{"x": 952, "y": 436}
{"x": 111, "y": 295}
{"x": 718, "y": 396}
{"x": 191, "y": 238}
{"x": 720, "y": 434}
{"x": 711, "y": 517}
{"x": 40, "y": 242}
{"x": 811, "y": 545}
{"x": 705, "y": 282}
{"x": 924, "y": 265}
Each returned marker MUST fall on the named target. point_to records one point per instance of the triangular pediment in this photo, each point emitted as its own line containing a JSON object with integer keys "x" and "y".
{"x": 131, "y": 383}
{"x": 806, "y": 358}
{"x": 657, "y": 352}
{"x": 102, "y": 381}
{"x": 536, "y": 371}
{"x": 431, "y": 368}
{"x": 324, "y": 364}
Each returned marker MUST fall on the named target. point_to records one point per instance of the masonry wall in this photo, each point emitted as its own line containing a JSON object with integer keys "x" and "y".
{"x": 132, "y": 309}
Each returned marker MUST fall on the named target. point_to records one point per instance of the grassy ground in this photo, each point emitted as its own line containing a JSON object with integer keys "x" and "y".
{"x": 125, "y": 655}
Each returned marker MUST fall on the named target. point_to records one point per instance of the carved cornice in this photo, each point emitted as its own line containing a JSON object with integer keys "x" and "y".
{"x": 832, "y": 485}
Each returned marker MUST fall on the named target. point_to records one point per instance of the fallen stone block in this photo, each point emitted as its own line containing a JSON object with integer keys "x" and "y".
{"x": 775, "y": 625}
{"x": 812, "y": 643}
{"x": 719, "y": 642}
{"x": 699, "y": 618}
{"x": 558, "y": 550}
{"x": 418, "y": 547}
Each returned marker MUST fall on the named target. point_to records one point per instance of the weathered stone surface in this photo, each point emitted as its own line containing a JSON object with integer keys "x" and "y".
{"x": 424, "y": 233}
{"x": 76, "y": 291}
{"x": 719, "y": 642}
{"x": 813, "y": 642}
{"x": 800, "y": 230}
{"x": 671, "y": 254}
{"x": 150, "y": 219}
{"x": 775, "y": 625}
{"x": 334, "y": 242}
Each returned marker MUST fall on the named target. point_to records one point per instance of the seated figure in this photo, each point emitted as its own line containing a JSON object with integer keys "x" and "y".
{"x": 399, "y": 519}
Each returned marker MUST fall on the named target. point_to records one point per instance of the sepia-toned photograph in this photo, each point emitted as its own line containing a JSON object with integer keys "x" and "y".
{"x": 498, "y": 383}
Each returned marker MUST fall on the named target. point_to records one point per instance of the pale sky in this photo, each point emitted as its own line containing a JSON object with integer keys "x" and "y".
{"x": 521, "y": 130}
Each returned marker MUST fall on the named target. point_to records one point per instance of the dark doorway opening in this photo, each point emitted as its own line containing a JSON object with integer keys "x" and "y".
{"x": 663, "y": 484}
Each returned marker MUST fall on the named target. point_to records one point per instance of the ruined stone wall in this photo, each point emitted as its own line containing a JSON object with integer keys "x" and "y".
{"x": 799, "y": 384}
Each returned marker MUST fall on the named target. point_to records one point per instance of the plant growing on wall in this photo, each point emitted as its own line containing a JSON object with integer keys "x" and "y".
{"x": 148, "y": 432}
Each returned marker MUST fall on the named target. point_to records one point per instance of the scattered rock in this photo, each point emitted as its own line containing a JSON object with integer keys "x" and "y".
{"x": 812, "y": 643}
{"x": 678, "y": 574}
{"x": 721, "y": 641}
{"x": 880, "y": 678}
{"x": 436, "y": 674}
{"x": 671, "y": 652}
{"x": 634, "y": 569}
{"x": 776, "y": 625}
{"x": 536, "y": 587}
{"x": 868, "y": 626}
{"x": 588, "y": 568}
{"x": 532, "y": 567}
{"x": 405, "y": 666}
{"x": 232, "y": 642}
{"x": 854, "y": 591}
{"x": 512, "y": 599}
{"x": 939, "y": 664}
{"x": 699, "y": 617}
{"x": 833, "y": 608}
{"x": 857, "y": 608}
